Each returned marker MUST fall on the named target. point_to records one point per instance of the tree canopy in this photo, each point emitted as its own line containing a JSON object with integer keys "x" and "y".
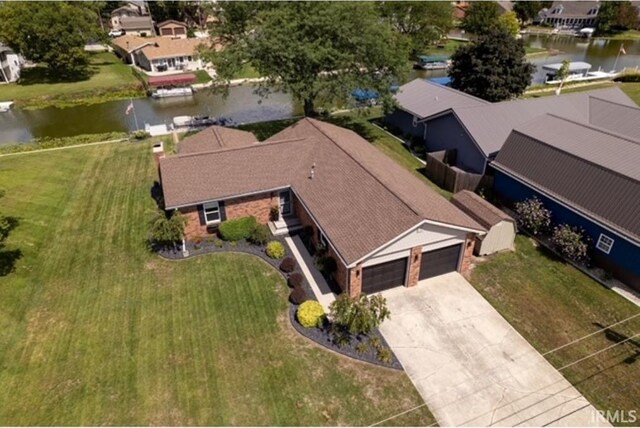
{"x": 53, "y": 33}
{"x": 527, "y": 10}
{"x": 509, "y": 21}
{"x": 312, "y": 50}
{"x": 481, "y": 17}
{"x": 423, "y": 22}
{"x": 616, "y": 16}
{"x": 493, "y": 67}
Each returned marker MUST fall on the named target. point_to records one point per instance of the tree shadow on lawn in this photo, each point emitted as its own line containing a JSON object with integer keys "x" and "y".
{"x": 615, "y": 337}
{"x": 156, "y": 194}
{"x": 44, "y": 75}
{"x": 8, "y": 258}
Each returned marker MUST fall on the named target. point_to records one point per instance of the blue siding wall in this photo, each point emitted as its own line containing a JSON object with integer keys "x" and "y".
{"x": 404, "y": 122}
{"x": 446, "y": 133}
{"x": 623, "y": 254}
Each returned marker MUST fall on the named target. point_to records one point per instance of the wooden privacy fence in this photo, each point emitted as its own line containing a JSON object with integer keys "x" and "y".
{"x": 452, "y": 178}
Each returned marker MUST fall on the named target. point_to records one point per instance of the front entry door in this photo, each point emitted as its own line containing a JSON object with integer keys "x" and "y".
{"x": 285, "y": 202}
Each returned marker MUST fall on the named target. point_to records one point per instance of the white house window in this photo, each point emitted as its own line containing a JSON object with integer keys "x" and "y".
{"x": 605, "y": 243}
{"x": 211, "y": 212}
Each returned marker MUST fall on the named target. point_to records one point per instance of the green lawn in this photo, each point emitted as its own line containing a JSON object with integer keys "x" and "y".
{"x": 551, "y": 303}
{"x": 625, "y": 35}
{"x": 110, "y": 79}
{"x": 632, "y": 89}
{"x": 95, "y": 330}
{"x": 247, "y": 72}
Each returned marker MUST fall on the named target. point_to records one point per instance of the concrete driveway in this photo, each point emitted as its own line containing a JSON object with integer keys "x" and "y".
{"x": 470, "y": 366}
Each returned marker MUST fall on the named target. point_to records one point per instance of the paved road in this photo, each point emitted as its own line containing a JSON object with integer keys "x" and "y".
{"x": 470, "y": 366}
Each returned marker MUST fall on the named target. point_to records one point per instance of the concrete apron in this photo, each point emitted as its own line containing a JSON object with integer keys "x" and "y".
{"x": 470, "y": 366}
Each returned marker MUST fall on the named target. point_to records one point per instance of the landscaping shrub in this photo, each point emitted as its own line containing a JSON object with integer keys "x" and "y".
{"x": 141, "y": 135}
{"x": 298, "y": 296}
{"x": 571, "y": 242}
{"x": 261, "y": 234}
{"x": 533, "y": 216}
{"x": 275, "y": 250}
{"x": 375, "y": 342}
{"x": 359, "y": 315}
{"x": 167, "y": 229}
{"x": 310, "y": 314}
{"x": 385, "y": 355}
{"x": 238, "y": 228}
{"x": 288, "y": 265}
{"x": 274, "y": 213}
{"x": 362, "y": 348}
{"x": 295, "y": 280}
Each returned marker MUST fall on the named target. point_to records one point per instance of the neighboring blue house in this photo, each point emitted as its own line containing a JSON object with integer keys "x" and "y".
{"x": 587, "y": 176}
{"x": 447, "y": 119}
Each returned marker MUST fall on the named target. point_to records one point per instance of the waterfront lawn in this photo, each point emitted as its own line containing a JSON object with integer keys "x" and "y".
{"x": 551, "y": 303}
{"x": 632, "y": 89}
{"x": 95, "y": 330}
{"x": 109, "y": 79}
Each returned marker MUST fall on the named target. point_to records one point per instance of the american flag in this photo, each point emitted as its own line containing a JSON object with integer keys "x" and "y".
{"x": 129, "y": 108}
{"x": 622, "y": 51}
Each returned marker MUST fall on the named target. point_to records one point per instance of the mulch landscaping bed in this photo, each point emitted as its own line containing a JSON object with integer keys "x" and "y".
{"x": 321, "y": 336}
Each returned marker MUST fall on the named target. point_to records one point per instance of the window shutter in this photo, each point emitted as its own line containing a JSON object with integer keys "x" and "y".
{"x": 201, "y": 215}
{"x": 223, "y": 211}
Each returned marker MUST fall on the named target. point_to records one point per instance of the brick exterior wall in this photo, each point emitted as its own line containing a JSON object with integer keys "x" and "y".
{"x": 195, "y": 228}
{"x": 468, "y": 253}
{"x": 258, "y": 206}
{"x": 415, "y": 259}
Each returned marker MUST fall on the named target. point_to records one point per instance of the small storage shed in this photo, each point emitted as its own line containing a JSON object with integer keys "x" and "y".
{"x": 501, "y": 227}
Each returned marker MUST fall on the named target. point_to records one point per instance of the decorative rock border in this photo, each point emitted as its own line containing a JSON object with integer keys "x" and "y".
{"x": 321, "y": 336}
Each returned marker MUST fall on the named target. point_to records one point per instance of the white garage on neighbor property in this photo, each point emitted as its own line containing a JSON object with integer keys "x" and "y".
{"x": 502, "y": 228}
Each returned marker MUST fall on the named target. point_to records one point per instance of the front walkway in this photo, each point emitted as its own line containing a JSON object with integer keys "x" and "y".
{"x": 315, "y": 279}
{"x": 470, "y": 366}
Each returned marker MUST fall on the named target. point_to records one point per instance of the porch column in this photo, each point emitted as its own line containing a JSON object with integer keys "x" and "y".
{"x": 415, "y": 259}
{"x": 355, "y": 281}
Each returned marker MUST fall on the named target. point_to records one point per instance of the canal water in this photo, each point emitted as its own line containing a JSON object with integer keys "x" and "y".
{"x": 243, "y": 105}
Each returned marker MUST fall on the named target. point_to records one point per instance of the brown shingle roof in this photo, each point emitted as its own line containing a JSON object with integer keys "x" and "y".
{"x": 359, "y": 197}
{"x": 135, "y": 23}
{"x": 479, "y": 209}
{"x": 592, "y": 170}
{"x": 216, "y": 138}
{"x": 158, "y": 47}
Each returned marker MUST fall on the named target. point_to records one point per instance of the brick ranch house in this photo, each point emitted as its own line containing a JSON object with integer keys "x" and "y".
{"x": 382, "y": 225}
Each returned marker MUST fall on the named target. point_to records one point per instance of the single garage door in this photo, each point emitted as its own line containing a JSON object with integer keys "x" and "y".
{"x": 383, "y": 276}
{"x": 440, "y": 261}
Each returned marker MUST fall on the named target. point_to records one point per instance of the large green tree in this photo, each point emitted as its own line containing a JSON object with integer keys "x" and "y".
{"x": 493, "y": 67}
{"x": 481, "y": 17}
{"x": 53, "y": 33}
{"x": 527, "y": 10}
{"x": 312, "y": 50}
{"x": 424, "y": 22}
{"x": 616, "y": 16}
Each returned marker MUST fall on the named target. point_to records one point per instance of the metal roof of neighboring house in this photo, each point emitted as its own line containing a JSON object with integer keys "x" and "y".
{"x": 423, "y": 98}
{"x": 479, "y": 209}
{"x": 135, "y": 23}
{"x": 591, "y": 169}
{"x": 173, "y": 79}
{"x": 359, "y": 197}
{"x": 216, "y": 138}
{"x": 490, "y": 124}
{"x": 621, "y": 118}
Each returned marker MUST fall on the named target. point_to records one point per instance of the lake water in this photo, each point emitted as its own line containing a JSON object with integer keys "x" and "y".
{"x": 243, "y": 105}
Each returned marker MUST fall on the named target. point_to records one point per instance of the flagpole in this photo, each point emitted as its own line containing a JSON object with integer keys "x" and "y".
{"x": 134, "y": 114}
{"x": 618, "y": 56}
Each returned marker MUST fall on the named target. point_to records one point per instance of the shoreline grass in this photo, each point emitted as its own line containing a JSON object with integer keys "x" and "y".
{"x": 110, "y": 80}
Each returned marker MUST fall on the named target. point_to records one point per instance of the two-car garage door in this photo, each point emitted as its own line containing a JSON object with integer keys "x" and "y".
{"x": 392, "y": 274}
